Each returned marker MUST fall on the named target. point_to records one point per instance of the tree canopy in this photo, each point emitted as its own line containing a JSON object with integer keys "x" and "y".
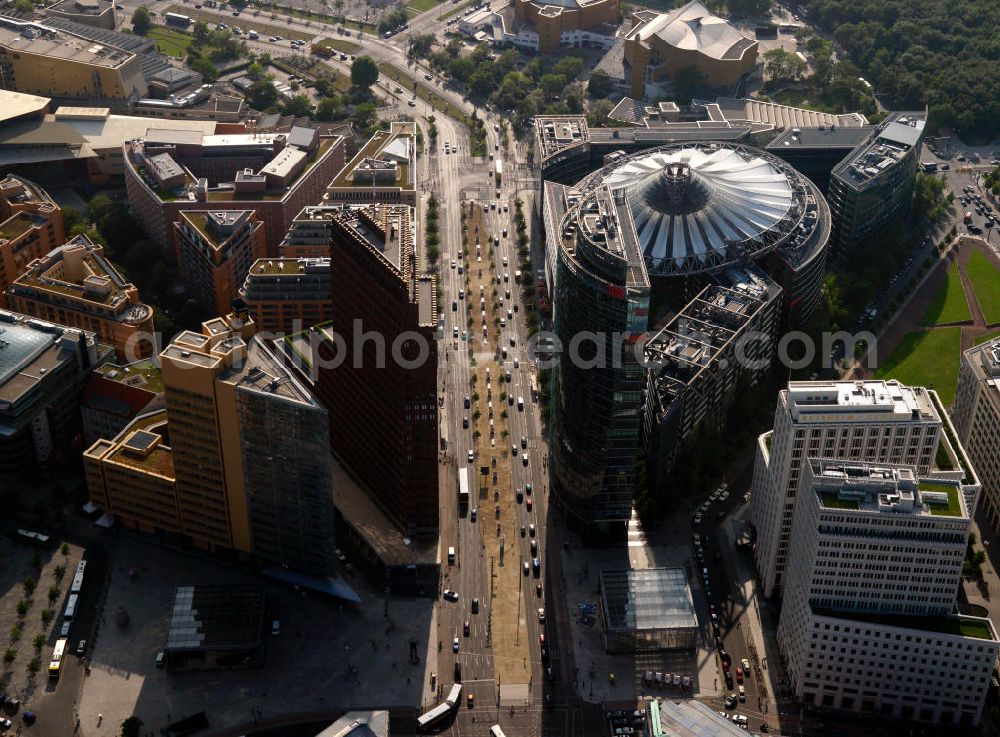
{"x": 939, "y": 53}
{"x": 364, "y": 72}
{"x": 261, "y": 95}
{"x": 142, "y": 20}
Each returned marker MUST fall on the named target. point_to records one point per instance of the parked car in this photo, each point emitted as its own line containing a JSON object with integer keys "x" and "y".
{"x": 449, "y": 595}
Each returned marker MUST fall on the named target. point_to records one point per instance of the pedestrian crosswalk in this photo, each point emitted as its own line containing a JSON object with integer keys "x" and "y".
{"x": 636, "y": 536}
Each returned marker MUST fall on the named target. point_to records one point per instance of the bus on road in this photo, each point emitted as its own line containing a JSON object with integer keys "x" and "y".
{"x": 463, "y": 485}
{"x": 55, "y": 665}
{"x": 176, "y": 19}
{"x": 71, "y": 606}
{"x": 78, "y": 578}
{"x": 498, "y": 171}
{"x": 427, "y": 721}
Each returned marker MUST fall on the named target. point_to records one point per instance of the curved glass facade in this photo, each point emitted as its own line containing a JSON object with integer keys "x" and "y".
{"x": 597, "y": 385}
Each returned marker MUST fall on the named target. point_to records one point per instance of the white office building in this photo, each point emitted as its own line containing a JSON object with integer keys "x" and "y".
{"x": 868, "y": 620}
{"x": 875, "y": 420}
{"x": 977, "y": 419}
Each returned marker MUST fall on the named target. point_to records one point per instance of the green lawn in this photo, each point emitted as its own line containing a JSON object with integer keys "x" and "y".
{"x": 340, "y": 44}
{"x": 964, "y": 626}
{"x": 170, "y": 41}
{"x": 985, "y": 280}
{"x": 243, "y": 21}
{"x": 987, "y": 336}
{"x": 952, "y": 508}
{"x": 926, "y": 358}
{"x": 949, "y": 304}
{"x": 832, "y": 501}
{"x": 416, "y": 7}
{"x": 456, "y": 9}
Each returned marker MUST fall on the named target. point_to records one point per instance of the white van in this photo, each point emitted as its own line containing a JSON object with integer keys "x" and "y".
{"x": 495, "y": 731}
{"x": 520, "y": 404}
{"x": 451, "y": 556}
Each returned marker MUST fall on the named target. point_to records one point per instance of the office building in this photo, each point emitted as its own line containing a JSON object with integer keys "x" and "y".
{"x": 894, "y": 646}
{"x": 75, "y": 285}
{"x": 116, "y": 394}
{"x": 43, "y": 369}
{"x": 602, "y": 287}
{"x": 175, "y": 169}
{"x": 661, "y": 44}
{"x": 378, "y": 379}
{"x": 544, "y": 27}
{"x": 717, "y": 347}
{"x": 239, "y": 461}
{"x": 288, "y": 295}
{"x": 214, "y": 250}
{"x": 383, "y": 172}
{"x": 864, "y": 421}
{"x": 977, "y": 420}
{"x": 689, "y": 718}
{"x": 41, "y": 59}
{"x": 872, "y": 188}
{"x": 817, "y": 149}
{"x": 31, "y": 225}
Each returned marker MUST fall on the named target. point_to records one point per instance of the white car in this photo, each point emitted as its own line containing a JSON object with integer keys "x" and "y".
{"x": 541, "y": 615}
{"x": 449, "y": 595}
{"x": 454, "y": 645}
{"x": 472, "y": 456}
{"x": 746, "y": 664}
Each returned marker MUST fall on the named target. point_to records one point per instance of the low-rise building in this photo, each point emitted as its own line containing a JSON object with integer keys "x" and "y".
{"x": 894, "y": 646}
{"x": 545, "y": 26}
{"x": 977, "y": 419}
{"x": 43, "y": 369}
{"x": 288, "y": 295}
{"x": 75, "y": 285}
{"x": 214, "y": 250}
{"x": 31, "y": 225}
{"x": 647, "y": 609}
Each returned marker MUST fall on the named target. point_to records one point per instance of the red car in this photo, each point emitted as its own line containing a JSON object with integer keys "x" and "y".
{"x": 739, "y": 674}
{"x": 527, "y": 503}
{"x": 725, "y": 666}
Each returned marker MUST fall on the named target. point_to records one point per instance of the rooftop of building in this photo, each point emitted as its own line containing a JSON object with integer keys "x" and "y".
{"x": 30, "y": 349}
{"x": 216, "y": 617}
{"x": 647, "y": 599}
{"x": 82, "y": 7}
{"x": 777, "y": 116}
{"x": 78, "y": 270}
{"x": 216, "y": 226}
{"x": 264, "y": 373}
{"x": 694, "y": 28}
{"x": 879, "y": 488}
{"x": 888, "y": 144}
{"x": 688, "y": 718}
{"x": 225, "y": 191}
{"x": 979, "y": 628}
{"x": 290, "y": 266}
{"x": 14, "y": 105}
{"x": 396, "y": 145}
{"x": 143, "y": 374}
{"x": 43, "y": 39}
{"x": 985, "y": 362}
{"x": 707, "y": 325}
{"x": 359, "y": 724}
{"x": 826, "y": 136}
{"x": 874, "y": 399}
{"x": 15, "y": 190}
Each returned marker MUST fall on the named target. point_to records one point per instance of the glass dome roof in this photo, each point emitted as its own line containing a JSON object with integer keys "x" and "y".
{"x": 697, "y": 209}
